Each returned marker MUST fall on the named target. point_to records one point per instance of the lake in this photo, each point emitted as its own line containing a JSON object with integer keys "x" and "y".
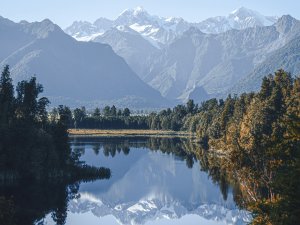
{"x": 156, "y": 181}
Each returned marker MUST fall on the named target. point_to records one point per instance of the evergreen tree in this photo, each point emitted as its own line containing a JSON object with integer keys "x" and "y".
{"x": 106, "y": 111}
{"x": 113, "y": 111}
{"x": 6, "y": 97}
{"x": 190, "y": 105}
{"x": 126, "y": 112}
{"x": 97, "y": 113}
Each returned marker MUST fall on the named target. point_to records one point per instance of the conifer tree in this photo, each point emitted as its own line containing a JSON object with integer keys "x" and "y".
{"x": 6, "y": 97}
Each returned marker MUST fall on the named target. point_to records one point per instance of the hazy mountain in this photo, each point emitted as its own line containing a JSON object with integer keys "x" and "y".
{"x": 72, "y": 72}
{"x": 161, "y": 31}
{"x": 130, "y": 45}
{"x": 239, "y": 19}
{"x": 186, "y": 62}
{"x": 157, "y": 30}
{"x": 287, "y": 58}
{"x": 86, "y": 31}
{"x": 216, "y": 62}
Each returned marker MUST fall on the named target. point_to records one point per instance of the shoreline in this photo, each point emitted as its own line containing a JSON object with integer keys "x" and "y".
{"x": 128, "y": 133}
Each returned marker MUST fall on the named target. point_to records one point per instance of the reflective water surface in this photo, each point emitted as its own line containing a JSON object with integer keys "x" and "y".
{"x": 150, "y": 184}
{"x": 154, "y": 181}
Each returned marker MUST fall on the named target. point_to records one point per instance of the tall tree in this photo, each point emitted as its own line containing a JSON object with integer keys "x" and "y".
{"x": 27, "y": 100}
{"x": 6, "y": 97}
{"x": 126, "y": 112}
{"x": 97, "y": 113}
{"x": 113, "y": 111}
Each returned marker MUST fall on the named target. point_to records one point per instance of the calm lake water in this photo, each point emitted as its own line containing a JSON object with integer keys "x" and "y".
{"x": 154, "y": 181}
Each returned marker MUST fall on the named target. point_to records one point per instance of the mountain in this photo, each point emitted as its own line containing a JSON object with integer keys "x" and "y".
{"x": 157, "y": 30}
{"x": 161, "y": 31}
{"x": 190, "y": 60}
{"x": 130, "y": 45}
{"x": 216, "y": 62}
{"x": 86, "y": 31}
{"x": 287, "y": 58}
{"x": 73, "y": 73}
{"x": 239, "y": 19}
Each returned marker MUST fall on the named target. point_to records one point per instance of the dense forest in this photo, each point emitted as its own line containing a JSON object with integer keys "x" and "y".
{"x": 34, "y": 152}
{"x": 260, "y": 135}
{"x": 114, "y": 118}
{"x": 32, "y": 145}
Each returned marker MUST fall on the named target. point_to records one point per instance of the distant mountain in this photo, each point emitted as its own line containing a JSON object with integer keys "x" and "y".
{"x": 287, "y": 58}
{"x": 73, "y": 73}
{"x": 161, "y": 31}
{"x": 130, "y": 45}
{"x": 190, "y": 60}
{"x": 157, "y": 30}
{"x": 216, "y": 62}
{"x": 239, "y": 19}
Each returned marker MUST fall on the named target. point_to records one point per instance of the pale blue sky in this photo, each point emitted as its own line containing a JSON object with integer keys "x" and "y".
{"x": 64, "y": 12}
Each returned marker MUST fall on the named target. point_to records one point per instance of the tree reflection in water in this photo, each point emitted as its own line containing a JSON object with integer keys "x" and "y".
{"x": 29, "y": 202}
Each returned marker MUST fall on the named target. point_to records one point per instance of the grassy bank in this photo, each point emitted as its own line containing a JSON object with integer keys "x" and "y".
{"x": 143, "y": 133}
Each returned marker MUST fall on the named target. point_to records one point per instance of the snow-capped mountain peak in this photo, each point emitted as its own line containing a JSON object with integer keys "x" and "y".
{"x": 135, "y": 11}
{"x": 243, "y": 12}
{"x": 139, "y": 10}
{"x": 161, "y": 31}
{"x": 249, "y": 18}
{"x": 239, "y": 19}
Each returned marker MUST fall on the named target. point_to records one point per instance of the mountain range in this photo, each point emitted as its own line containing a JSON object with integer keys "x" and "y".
{"x": 161, "y": 31}
{"x": 214, "y": 63}
{"x": 199, "y": 60}
{"x": 73, "y": 73}
{"x": 144, "y": 61}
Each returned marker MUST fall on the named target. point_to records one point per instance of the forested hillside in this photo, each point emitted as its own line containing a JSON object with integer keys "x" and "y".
{"x": 260, "y": 136}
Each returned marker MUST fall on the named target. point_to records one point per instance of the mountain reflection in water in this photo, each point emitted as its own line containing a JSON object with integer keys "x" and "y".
{"x": 154, "y": 181}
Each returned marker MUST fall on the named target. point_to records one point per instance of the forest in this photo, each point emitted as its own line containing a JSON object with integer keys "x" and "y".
{"x": 35, "y": 156}
{"x": 114, "y": 118}
{"x": 33, "y": 146}
{"x": 259, "y": 135}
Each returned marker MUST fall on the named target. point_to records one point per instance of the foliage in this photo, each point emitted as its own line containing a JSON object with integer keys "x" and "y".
{"x": 34, "y": 145}
{"x": 113, "y": 118}
{"x": 260, "y": 135}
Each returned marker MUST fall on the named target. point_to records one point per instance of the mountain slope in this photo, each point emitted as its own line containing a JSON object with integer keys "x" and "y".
{"x": 287, "y": 58}
{"x": 157, "y": 30}
{"x": 73, "y": 72}
{"x": 161, "y": 31}
{"x": 239, "y": 19}
{"x": 129, "y": 44}
{"x": 216, "y": 62}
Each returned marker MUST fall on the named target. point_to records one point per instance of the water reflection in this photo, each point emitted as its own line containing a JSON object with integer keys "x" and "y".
{"x": 153, "y": 180}
{"x": 26, "y": 204}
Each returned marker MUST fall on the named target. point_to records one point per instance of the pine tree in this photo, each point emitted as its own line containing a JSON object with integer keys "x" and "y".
{"x": 6, "y": 98}
{"x": 266, "y": 88}
{"x": 97, "y": 113}
{"x": 190, "y": 106}
{"x": 126, "y": 112}
{"x": 113, "y": 111}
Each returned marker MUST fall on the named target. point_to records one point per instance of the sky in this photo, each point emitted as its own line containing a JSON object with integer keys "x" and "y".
{"x": 64, "y": 12}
